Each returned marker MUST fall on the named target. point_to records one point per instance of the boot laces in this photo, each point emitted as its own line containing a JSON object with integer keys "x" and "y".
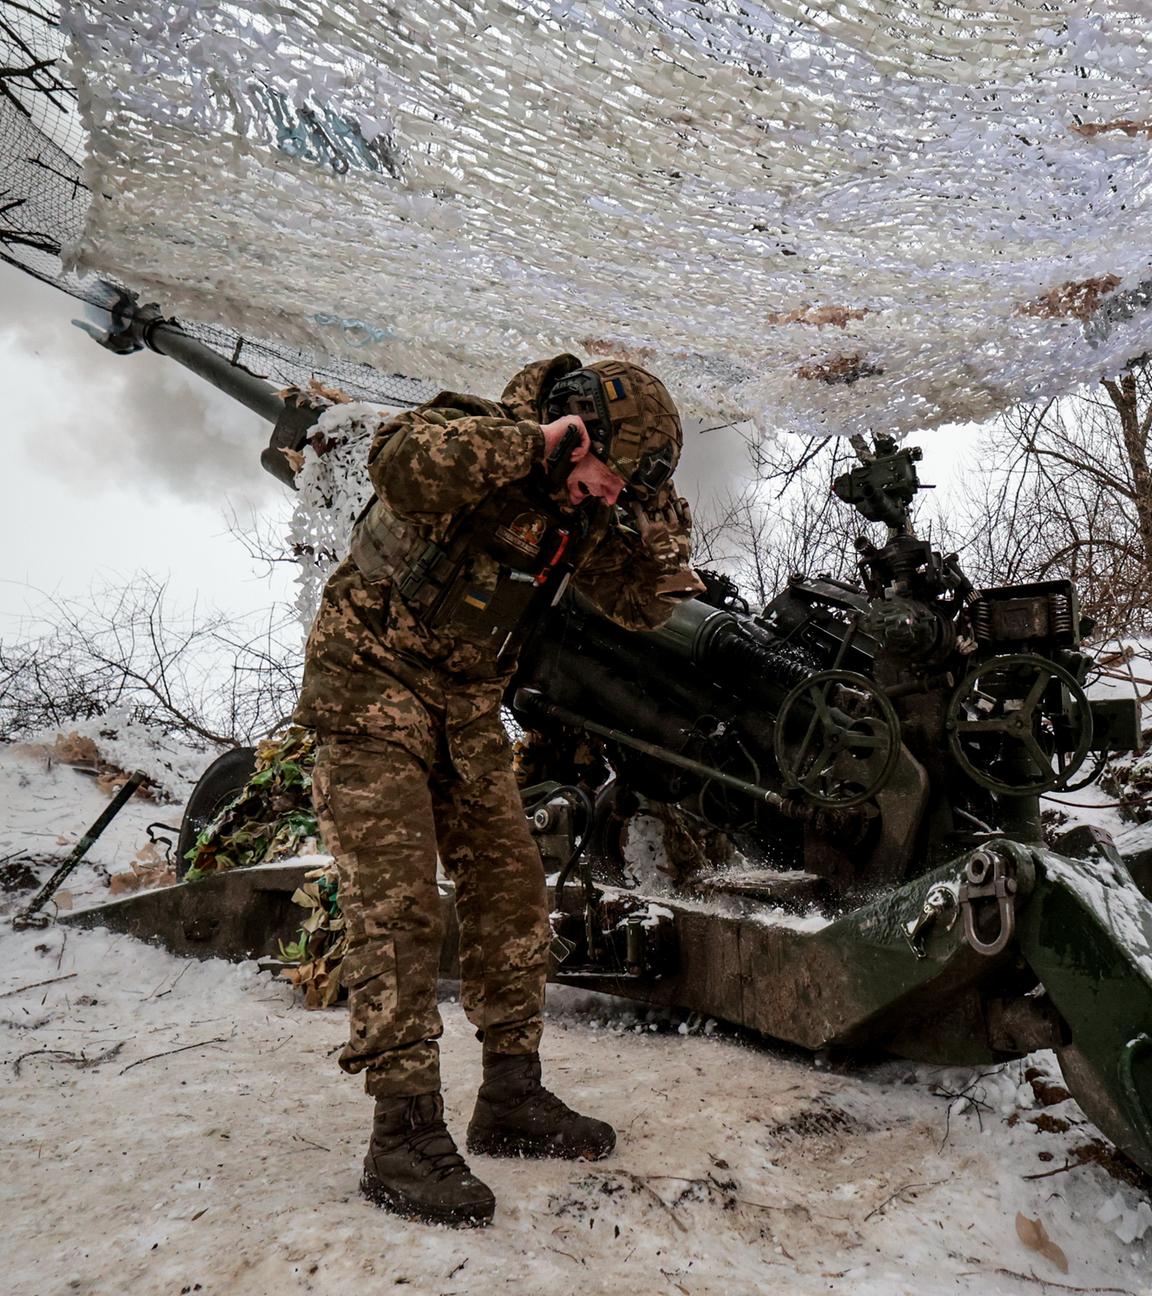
{"x": 546, "y": 1102}
{"x": 432, "y": 1143}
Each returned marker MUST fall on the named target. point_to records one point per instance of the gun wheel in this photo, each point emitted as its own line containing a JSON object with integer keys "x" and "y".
{"x": 837, "y": 739}
{"x": 1019, "y": 725}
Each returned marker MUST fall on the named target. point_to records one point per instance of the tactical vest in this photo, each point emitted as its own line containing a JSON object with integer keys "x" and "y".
{"x": 479, "y": 579}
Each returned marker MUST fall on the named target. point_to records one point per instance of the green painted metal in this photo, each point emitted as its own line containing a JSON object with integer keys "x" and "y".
{"x": 1087, "y": 934}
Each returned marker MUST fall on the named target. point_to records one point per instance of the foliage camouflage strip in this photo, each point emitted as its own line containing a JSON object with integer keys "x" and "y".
{"x": 271, "y": 818}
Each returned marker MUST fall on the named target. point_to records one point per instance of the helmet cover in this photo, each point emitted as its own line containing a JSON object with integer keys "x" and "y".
{"x": 631, "y": 419}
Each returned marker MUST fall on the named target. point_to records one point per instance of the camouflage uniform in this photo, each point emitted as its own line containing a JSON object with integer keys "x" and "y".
{"x": 413, "y": 758}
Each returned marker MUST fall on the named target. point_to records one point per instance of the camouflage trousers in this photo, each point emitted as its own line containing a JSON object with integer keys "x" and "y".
{"x": 386, "y": 815}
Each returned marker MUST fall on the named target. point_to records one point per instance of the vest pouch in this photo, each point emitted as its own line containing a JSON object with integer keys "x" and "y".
{"x": 484, "y": 604}
{"x": 382, "y": 546}
{"x": 516, "y": 535}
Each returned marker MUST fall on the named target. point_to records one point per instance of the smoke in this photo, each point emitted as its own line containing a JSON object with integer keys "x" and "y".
{"x": 715, "y": 463}
{"x": 107, "y": 422}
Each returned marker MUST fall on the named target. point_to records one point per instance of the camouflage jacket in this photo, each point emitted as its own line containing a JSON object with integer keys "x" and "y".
{"x": 372, "y": 666}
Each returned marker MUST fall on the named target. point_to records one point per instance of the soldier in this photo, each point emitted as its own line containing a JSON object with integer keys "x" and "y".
{"x": 480, "y": 511}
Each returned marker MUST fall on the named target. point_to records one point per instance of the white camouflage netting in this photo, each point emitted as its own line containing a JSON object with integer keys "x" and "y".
{"x": 333, "y": 487}
{"x": 827, "y": 218}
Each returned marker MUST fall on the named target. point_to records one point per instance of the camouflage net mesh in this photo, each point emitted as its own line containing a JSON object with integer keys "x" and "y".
{"x": 883, "y": 213}
{"x": 44, "y": 201}
{"x": 332, "y": 488}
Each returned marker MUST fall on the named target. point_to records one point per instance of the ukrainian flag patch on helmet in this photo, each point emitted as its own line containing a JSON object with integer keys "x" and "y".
{"x": 614, "y": 389}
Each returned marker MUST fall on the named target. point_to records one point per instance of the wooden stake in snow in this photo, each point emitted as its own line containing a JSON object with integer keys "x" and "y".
{"x": 30, "y": 915}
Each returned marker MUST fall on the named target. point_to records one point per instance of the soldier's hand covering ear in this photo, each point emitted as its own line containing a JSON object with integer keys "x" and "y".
{"x": 555, "y": 432}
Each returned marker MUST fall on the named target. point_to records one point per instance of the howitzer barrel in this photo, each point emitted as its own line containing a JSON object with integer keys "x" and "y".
{"x": 690, "y": 629}
{"x": 170, "y": 340}
{"x": 128, "y": 327}
{"x": 131, "y": 327}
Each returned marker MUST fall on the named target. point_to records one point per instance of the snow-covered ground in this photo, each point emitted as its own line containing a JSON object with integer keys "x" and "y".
{"x": 171, "y": 1126}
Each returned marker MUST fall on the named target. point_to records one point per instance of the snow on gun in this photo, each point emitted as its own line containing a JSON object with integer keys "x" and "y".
{"x": 885, "y": 745}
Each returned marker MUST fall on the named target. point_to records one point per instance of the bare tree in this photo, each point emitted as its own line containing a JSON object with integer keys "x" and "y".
{"x": 216, "y": 679}
{"x": 1065, "y": 491}
{"x": 784, "y": 520}
{"x": 33, "y": 75}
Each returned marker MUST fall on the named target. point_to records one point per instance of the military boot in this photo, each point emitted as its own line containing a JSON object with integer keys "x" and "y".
{"x": 413, "y": 1169}
{"x": 516, "y": 1116}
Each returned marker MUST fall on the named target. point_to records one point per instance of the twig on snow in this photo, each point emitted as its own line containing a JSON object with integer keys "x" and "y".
{"x": 934, "y": 1183}
{"x": 220, "y": 1039}
{"x": 566, "y": 1254}
{"x": 976, "y": 1104}
{"x": 174, "y": 984}
{"x": 743, "y": 1201}
{"x": 320, "y": 1147}
{"x": 642, "y": 1181}
{"x": 1047, "y": 1174}
{"x": 35, "y": 985}
{"x": 1044, "y": 1282}
{"x": 70, "y": 1059}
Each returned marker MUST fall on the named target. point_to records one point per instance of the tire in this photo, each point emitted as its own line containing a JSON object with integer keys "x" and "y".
{"x": 218, "y": 785}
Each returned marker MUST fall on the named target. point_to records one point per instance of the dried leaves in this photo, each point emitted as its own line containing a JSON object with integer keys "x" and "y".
{"x": 75, "y": 749}
{"x": 82, "y": 752}
{"x": 1125, "y": 126}
{"x": 1077, "y": 299}
{"x": 840, "y": 369}
{"x": 1035, "y": 1237}
{"x": 614, "y": 349}
{"x": 316, "y": 395}
{"x": 321, "y": 943}
{"x": 295, "y": 459}
{"x": 818, "y": 315}
{"x": 148, "y": 869}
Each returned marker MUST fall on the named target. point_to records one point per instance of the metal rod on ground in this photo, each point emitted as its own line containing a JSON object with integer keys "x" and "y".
{"x": 30, "y": 915}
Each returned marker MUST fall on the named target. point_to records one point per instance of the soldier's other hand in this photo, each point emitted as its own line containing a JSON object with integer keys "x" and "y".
{"x": 657, "y": 537}
{"x": 554, "y": 434}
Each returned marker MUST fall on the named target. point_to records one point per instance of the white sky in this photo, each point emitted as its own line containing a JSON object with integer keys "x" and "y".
{"x": 118, "y": 464}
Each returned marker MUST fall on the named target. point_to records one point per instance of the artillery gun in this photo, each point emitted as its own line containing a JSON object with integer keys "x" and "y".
{"x": 878, "y": 748}
{"x": 854, "y": 731}
{"x": 885, "y": 746}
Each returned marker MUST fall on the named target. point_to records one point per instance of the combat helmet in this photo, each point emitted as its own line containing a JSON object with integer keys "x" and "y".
{"x": 630, "y": 417}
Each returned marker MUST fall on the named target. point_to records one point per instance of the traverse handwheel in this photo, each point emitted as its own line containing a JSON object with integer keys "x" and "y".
{"x": 837, "y": 739}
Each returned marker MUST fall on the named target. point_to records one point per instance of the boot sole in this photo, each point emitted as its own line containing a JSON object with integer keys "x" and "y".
{"x": 479, "y": 1216}
{"x": 537, "y": 1149}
